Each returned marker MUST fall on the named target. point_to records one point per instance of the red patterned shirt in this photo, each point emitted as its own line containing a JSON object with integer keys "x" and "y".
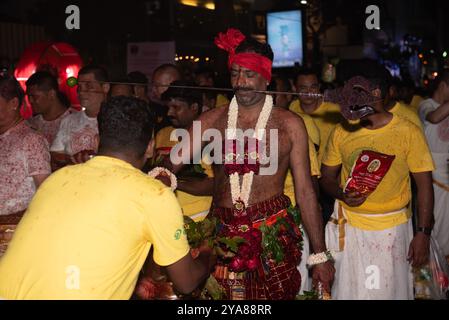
{"x": 77, "y": 132}
{"x": 23, "y": 154}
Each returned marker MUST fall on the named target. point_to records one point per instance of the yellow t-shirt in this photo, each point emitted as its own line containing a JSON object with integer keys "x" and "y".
{"x": 311, "y": 127}
{"x": 222, "y": 101}
{"x": 416, "y": 101}
{"x": 400, "y": 138}
{"x": 195, "y": 207}
{"x": 402, "y": 110}
{"x": 88, "y": 231}
{"x": 326, "y": 117}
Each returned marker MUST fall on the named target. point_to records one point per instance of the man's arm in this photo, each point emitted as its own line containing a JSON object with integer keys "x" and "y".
{"x": 307, "y": 200}
{"x": 38, "y": 179}
{"x": 304, "y": 190}
{"x": 419, "y": 248}
{"x": 188, "y": 273}
{"x": 439, "y": 114}
{"x": 197, "y": 187}
{"x": 59, "y": 160}
{"x": 329, "y": 182}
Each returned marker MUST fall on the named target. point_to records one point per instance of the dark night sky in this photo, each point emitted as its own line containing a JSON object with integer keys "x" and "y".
{"x": 106, "y": 26}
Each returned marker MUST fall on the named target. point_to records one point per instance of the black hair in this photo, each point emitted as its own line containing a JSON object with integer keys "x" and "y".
{"x": 45, "y": 81}
{"x": 190, "y": 96}
{"x": 286, "y": 85}
{"x": 307, "y": 72}
{"x": 137, "y": 77}
{"x": 252, "y": 45}
{"x": 10, "y": 88}
{"x": 121, "y": 81}
{"x": 125, "y": 124}
{"x": 100, "y": 73}
{"x": 371, "y": 70}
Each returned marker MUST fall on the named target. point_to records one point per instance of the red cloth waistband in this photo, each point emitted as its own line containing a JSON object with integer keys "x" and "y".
{"x": 258, "y": 211}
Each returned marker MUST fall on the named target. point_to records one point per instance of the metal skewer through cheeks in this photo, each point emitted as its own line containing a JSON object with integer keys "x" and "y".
{"x": 72, "y": 82}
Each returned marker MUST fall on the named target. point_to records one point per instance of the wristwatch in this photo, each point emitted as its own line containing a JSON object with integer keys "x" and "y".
{"x": 426, "y": 231}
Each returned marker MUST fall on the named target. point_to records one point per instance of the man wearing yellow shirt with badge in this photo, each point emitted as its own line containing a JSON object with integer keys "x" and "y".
{"x": 89, "y": 228}
{"x": 400, "y": 108}
{"x": 372, "y": 233}
{"x": 195, "y": 184}
{"x": 325, "y": 115}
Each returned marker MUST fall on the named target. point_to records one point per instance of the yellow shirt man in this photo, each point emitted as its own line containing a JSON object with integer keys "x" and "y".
{"x": 195, "y": 207}
{"x": 326, "y": 117}
{"x": 402, "y": 110}
{"x": 400, "y": 138}
{"x": 88, "y": 231}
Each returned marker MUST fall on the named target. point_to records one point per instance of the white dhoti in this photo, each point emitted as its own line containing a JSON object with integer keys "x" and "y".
{"x": 306, "y": 280}
{"x": 441, "y": 192}
{"x": 370, "y": 265}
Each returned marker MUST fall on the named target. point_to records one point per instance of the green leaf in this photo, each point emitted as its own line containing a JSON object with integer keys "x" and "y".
{"x": 198, "y": 168}
{"x": 308, "y": 295}
{"x": 296, "y": 214}
{"x": 232, "y": 243}
{"x": 215, "y": 290}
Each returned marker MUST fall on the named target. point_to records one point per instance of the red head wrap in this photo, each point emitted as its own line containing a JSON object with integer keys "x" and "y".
{"x": 230, "y": 40}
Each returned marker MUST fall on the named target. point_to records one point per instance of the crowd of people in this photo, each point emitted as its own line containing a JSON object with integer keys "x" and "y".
{"x": 80, "y": 218}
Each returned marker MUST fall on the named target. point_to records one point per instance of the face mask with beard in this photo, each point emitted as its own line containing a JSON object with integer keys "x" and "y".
{"x": 354, "y": 98}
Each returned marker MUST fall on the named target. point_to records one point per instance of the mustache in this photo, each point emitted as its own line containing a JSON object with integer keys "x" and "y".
{"x": 243, "y": 89}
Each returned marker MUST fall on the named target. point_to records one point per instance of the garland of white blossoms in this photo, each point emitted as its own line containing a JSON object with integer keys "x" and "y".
{"x": 242, "y": 194}
{"x": 164, "y": 171}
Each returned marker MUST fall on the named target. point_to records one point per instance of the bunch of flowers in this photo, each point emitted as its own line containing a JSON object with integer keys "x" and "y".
{"x": 242, "y": 244}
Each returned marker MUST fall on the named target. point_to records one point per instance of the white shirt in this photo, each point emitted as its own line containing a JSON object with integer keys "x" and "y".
{"x": 437, "y": 134}
{"x": 77, "y": 132}
{"x": 49, "y": 129}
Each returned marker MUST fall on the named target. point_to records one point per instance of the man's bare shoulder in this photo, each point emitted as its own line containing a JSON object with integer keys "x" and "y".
{"x": 288, "y": 119}
{"x": 212, "y": 116}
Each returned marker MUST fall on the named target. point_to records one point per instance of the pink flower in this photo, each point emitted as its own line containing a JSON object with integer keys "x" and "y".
{"x": 237, "y": 265}
{"x": 253, "y": 263}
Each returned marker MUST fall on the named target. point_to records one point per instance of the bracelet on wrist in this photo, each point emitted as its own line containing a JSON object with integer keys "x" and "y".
{"x": 319, "y": 258}
{"x": 159, "y": 170}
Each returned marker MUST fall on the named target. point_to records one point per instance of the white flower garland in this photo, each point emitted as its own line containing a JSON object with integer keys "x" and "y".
{"x": 242, "y": 194}
{"x": 159, "y": 170}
